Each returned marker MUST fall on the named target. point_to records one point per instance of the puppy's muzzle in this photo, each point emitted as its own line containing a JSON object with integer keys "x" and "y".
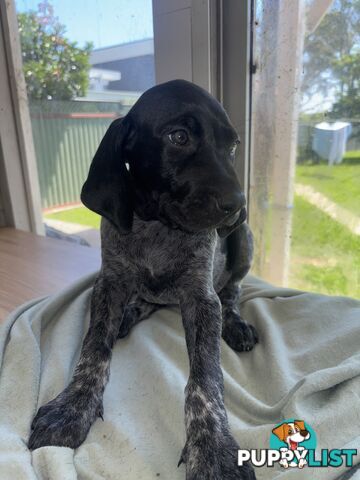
{"x": 234, "y": 209}
{"x": 237, "y": 217}
{"x": 231, "y": 203}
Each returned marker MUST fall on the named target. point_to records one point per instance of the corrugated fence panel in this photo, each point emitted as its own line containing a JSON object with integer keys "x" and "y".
{"x": 66, "y": 136}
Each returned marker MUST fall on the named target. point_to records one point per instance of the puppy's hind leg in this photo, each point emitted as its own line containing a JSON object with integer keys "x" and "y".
{"x": 238, "y": 334}
{"x": 135, "y": 313}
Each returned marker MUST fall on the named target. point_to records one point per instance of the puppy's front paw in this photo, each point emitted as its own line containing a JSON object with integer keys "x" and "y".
{"x": 214, "y": 459}
{"x": 64, "y": 422}
{"x": 238, "y": 334}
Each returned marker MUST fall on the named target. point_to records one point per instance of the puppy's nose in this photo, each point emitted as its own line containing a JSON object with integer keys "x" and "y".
{"x": 232, "y": 203}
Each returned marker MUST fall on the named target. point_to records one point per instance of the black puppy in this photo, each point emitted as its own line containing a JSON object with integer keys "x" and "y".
{"x": 172, "y": 231}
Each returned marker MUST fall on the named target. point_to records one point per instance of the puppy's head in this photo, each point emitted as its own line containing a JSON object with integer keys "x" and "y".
{"x": 171, "y": 158}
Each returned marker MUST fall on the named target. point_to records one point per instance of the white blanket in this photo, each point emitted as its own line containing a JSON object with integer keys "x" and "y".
{"x": 306, "y": 366}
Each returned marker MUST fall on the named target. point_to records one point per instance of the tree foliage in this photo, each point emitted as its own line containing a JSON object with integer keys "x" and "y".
{"x": 347, "y": 70}
{"x": 54, "y": 67}
{"x": 332, "y": 58}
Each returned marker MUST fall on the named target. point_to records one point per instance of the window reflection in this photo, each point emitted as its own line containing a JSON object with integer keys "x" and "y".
{"x": 85, "y": 63}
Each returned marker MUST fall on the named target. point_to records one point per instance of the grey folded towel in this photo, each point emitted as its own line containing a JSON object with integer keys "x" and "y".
{"x": 307, "y": 366}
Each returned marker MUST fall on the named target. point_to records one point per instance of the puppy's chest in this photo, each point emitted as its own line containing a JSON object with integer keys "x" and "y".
{"x": 154, "y": 251}
{"x": 158, "y": 258}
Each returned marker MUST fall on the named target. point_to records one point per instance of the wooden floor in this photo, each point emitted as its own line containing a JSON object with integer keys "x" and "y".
{"x": 32, "y": 266}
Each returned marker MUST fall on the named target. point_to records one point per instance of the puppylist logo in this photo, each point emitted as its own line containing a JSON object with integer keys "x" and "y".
{"x": 299, "y": 439}
{"x": 292, "y": 445}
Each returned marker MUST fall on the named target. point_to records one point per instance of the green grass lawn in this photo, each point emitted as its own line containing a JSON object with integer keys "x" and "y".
{"x": 80, "y": 215}
{"x": 340, "y": 183}
{"x": 324, "y": 254}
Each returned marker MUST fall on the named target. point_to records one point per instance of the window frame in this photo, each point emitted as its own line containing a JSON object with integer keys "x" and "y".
{"x": 208, "y": 54}
{"x": 19, "y": 184}
{"x": 210, "y": 58}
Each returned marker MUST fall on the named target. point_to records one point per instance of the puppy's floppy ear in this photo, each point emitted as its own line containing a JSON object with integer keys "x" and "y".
{"x": 107, "y": 190}
{"x": 281, "y": 431}
{"x": 300, "y": 424}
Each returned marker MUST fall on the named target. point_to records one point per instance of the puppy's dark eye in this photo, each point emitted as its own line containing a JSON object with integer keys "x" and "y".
{"x": 179, "y": 137}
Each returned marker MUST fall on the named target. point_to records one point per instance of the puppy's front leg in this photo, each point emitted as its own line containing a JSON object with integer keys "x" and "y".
{"x": 66, "y": 420}
{"x": 210, "y": 452}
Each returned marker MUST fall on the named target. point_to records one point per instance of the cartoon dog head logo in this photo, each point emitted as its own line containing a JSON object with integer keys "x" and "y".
{"x": 292, "y": 433}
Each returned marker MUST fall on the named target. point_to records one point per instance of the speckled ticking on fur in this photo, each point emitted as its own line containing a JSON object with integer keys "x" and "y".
{"x": 164, "y": 242}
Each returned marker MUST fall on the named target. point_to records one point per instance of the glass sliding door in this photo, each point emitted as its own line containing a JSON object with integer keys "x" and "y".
{"x": 305, "y": 155}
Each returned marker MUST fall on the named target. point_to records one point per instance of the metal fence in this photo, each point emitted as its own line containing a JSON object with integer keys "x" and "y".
{"x": 66, "y": 136}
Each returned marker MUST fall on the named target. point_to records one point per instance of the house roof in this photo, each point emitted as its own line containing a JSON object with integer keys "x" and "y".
{"x": 122, "y": 51}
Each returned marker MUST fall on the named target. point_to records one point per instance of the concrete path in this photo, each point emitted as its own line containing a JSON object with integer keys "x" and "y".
{"x": 91, "y": 235}
{"x": 340, "y": 214}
